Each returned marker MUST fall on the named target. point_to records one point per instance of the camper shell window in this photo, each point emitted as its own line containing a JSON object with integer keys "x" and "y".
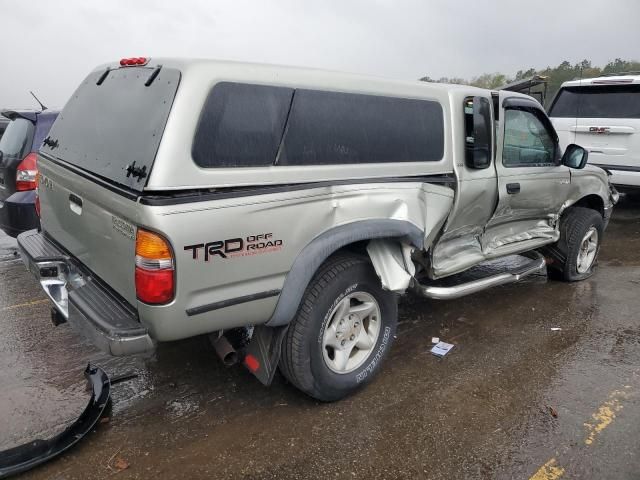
{"x": 244, "y": 125}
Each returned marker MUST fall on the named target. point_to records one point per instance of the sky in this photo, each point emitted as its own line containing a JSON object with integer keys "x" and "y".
{"x": 49, "y": 46}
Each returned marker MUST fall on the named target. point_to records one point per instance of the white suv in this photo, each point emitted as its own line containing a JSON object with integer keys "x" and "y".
{"x": 603, "y": 115}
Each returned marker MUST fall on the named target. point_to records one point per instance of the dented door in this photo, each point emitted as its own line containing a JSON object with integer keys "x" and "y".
{"x": 532, "y": 186}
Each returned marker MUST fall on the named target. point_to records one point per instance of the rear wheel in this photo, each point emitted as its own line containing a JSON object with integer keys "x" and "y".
{"x": 574, "y": 256}
{"x": 342, "y": 331}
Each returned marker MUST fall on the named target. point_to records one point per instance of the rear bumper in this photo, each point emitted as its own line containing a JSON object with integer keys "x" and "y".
{"x": 18, "y": 213}
{"x": 624, "y": 177}
{"x": 92, "y": 308}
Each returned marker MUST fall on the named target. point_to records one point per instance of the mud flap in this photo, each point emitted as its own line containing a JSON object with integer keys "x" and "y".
{"x": 29, "y": 455}
{"x": 262, "y": 354}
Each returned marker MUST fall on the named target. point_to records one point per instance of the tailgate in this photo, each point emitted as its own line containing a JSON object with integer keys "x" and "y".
{"x": 609, "y": 141}
{"x": 96, "y": 160}
{"x": 92, "y": 223}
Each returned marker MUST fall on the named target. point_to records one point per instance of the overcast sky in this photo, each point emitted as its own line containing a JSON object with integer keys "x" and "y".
{"x": 50, "y": 45}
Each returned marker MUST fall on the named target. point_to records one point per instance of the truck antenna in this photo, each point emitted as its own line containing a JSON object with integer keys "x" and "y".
{"x": 37, "y": 100}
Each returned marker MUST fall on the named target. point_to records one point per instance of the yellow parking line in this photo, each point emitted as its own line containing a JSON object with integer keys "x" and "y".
{"x": 28, "y": 304}
{"x": 605, "y": 415}
{"x": 549, "y": 471}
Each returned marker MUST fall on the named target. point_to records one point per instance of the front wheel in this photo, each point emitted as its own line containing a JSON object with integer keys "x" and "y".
{"x": 574, "y": 256}
{"x": 342, "y": 331}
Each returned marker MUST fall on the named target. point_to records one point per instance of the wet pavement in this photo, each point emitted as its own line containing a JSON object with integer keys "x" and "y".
{"x": 516, "y": 397}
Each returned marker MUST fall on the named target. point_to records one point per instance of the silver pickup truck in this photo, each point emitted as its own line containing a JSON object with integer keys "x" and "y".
{"x": 282, "y": 210}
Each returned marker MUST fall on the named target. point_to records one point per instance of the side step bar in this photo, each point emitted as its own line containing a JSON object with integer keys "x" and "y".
{"x": 537, "y": 264}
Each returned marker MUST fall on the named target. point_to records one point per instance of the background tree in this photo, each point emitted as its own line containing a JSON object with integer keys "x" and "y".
{"x": 565, "y": 71}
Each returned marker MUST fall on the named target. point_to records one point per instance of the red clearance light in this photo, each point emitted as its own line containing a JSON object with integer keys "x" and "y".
{"x": 129, "y": 62}
{"x": 26, "y": 174}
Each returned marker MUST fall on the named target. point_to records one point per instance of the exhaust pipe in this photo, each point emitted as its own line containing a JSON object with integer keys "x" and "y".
{"x": 225, "y": 351}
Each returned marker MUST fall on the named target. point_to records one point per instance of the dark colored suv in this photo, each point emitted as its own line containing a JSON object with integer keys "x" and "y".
{"x": 18, "y": 171}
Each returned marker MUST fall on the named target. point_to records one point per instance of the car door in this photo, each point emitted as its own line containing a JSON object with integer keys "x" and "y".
{"x": 532, "y": 185}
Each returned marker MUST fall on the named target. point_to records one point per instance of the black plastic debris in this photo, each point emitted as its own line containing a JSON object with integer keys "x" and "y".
{"x": 24, "y": 457}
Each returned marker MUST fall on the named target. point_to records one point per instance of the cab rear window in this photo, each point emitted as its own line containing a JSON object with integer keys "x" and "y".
{"x": 112, "y": 125}
{"x": 610, "y": 101}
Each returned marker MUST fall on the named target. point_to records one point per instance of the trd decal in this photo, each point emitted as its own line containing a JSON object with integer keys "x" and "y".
{"x": 235, "y": 247}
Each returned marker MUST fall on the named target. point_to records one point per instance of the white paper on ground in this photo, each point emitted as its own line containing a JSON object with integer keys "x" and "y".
{"x": 441, "y": 349}
{"x": 435, "y": 339}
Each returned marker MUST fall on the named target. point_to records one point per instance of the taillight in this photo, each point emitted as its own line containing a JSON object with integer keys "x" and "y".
{"x": 155, "y": 280}
{"x": 26, "y": 173}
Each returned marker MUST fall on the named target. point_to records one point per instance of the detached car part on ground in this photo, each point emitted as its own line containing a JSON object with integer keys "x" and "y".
{"x": 18, "y": 168}
{"x": 282, "y": 210}
{"x": 25, "y": 457}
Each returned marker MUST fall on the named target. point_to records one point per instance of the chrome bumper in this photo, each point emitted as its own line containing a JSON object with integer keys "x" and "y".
{"x": 91, "y": 307}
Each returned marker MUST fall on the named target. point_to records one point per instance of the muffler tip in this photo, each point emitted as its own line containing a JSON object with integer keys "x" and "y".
{"x": 225, "y": 351}
{"x": 230, "y": 359}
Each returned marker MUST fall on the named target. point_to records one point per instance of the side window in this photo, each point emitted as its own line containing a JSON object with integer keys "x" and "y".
{"x": 328, "y": 128}
{"x": 241, "y": 125}
{"x": 477, "y": 123}
{"x": 527, "y": 143}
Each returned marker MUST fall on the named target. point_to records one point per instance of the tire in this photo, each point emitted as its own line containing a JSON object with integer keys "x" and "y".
{"x": 568, "y": 262}
{"x": 315, "y": 360}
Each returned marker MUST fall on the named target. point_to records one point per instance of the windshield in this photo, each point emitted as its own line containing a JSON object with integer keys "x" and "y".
{"x": 113, "y": 127}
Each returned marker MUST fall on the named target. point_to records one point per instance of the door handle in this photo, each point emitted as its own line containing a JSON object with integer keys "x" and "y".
{"x": 75, "y": 199}
{"x": 75, "y": 204}
{"x": 513, "y": 188}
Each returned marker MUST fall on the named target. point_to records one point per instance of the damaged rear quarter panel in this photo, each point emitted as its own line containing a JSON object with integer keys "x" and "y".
{"x": 292, "y": 218}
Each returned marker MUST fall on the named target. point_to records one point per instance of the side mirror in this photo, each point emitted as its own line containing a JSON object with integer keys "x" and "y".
{"x": 575, "y": 156}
